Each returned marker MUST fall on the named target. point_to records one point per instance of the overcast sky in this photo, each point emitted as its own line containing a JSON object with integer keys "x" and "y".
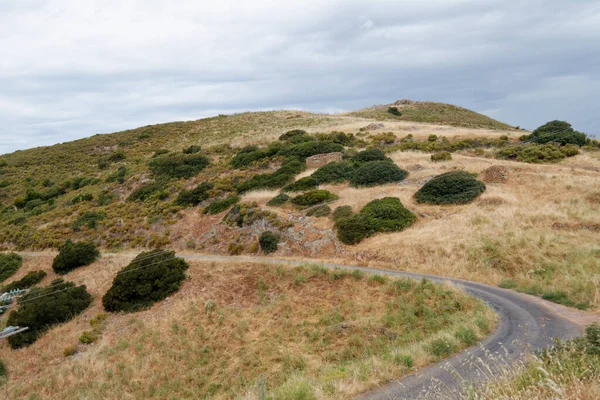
{"x": 74, "y": 68}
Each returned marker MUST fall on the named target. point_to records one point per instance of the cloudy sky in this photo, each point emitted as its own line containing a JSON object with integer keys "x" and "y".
{"x": 73, "y": 68}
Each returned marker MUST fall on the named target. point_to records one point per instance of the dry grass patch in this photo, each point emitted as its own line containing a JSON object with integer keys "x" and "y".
{"x": 329, "y": 334}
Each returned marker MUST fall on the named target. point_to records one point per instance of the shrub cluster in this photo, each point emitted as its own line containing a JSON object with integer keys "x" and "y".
{"x": 292, "y": 134}
{"x": 383, "y": 215}
{"x": 456, "y": 187}
{"x": 74, "y": 255}
{"x": 178, "y": 165}
{"x": 281, "y": 177}
{"x": 560, "y": 132}
{"x": 193, "y": 149}
{"x": 250, "y": 154}
{"x": 307, "y": 149}
{"x": 42, "y": 309}
{"x": 336, "y": 172}
{"x": 118, "y": 175}
{"x": 145, "y": 191}
{"x": 89, "y": 219}
{"x": 221, "y": 205}
{"x": 441, "y": 156}
{"x": 268, "y": 242}
{"x": 341, "y": 212}
{"x": 150, "y": 277}
{"x": 9, "y": 264}
{"x": 377, "y": 173}
{"x": 278, "y": 200}
{"x": 246, "y": 214}
{"x": 40, "y": 197}
{"x": 313, "y": 197}
{"x": 302, "y": 184}
{"x": 534, "y": 153}
{"x": 32, "y": 278}
{"x": 394, "y": 111}
{"x": 369, "y": 155}
{"x": 195, "y": 196}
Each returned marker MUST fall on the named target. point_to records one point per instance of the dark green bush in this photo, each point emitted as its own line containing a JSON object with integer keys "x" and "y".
{"x": 342, "y": 212}
{"x": 178, "y": 165}
{"x": 387, "y": 215}
{"x": 456, "y": 187}
{"x": 319, "y": 211}
{"x": 118, "y": 175}
{"x": 268, "y": 242}
{"x": 336, "y": 172}
{"x": 105, "y": 198}
{"x": 74, "y": 255}
{"x": 9, "y": 264}
{"x": 377, "y": 173}
{"x": 369, "y": 155}
{"x": 40, "y": 310}
{"x": 307, "y": 149}
{"x": 394, "y": 111}
{"x": 352, "y": 229}
{"x": 32, "y": 278}
{"x": 248, "y": 155}
{"x": 302, "y": 184}
{"x": 221, "y": 205}
{"x": 278, "y": 200}
{"x": 89, "y": 219}
{"x": 160, "y": 152}
{"x": 193, "y": 149}
{"x": 560, "y": 132}
{"x": 313, "y": 197}
{"x": 116, "y": 156}
{"x": 432, "y": 138}
{"x": 3, "y": 371}
{"x": 441, "y": 156}
{"x": 145, "y": 191}
{"x": 277, "y": 179}
{"x": 150, "y": 277}
{"x": 77, "y": 199}
{"x": 195, "y": 196}
{"x": 292, "y": 134}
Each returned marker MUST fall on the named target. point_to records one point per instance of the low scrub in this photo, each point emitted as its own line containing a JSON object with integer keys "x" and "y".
{"x": 150, "y": 277}
{"x": 40, "y": 310}
{"x": 268, "y": 242}
{"x": 278, "y": 200}
{"x": 377, "y": 173}
{"x": 74, "y": 255}
{"x": 302, "y": 184}
{"x": 146, "y": 191}
{"x": 307, "y": 149}
{"x": 313, "y": 197}
{"x": 32, "y": 278}
{"x": 292, "y": 134}
{"x": 88, "y": 219}
{"x": 9, "y": 264}
{"x": 195, "y": 196}
{"x": 441, "y": 156}
{"x": 221, "y": 205}
{"x": 336, "y": 172}
{"x": 369, "y": 155}
{"x": 538, "y": 154}
{"x": 319, "y": 211}
{"x": 178, "y": 165}
{"x": 342, "y": 212}
{"x": 284, "y": 175}
{"x": 456, "y": 187}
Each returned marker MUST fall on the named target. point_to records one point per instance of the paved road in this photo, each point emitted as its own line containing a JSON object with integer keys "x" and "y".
{"x": 525, "y": 324}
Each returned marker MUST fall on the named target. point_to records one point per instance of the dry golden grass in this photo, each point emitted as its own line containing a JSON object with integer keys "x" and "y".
{"x": 302, "y": 329}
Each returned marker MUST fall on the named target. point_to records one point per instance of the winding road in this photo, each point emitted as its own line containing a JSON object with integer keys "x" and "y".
{"x": 526, "y": 324}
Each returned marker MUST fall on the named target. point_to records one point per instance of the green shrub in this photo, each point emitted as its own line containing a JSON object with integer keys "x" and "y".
{"x": 118, "y": 175}
{"x": 145, "y": 191}
{"x": 387, "y": 215}
{"x": 377, "y": 173}
{"x": 195, "y": 196}
{"x": 352, "y": 229}
{"x": 533, "y": 153}
{"x": 319, "y": 211}
{"x": 466, "y": 335}
{"x": 456, "y": 187}
{"x": 394, "y": 111}
{"x": 3, "y": 371}
{"x": 89, "y": 219}
{"x": 9, "y": 264}
{"x": 441, "y": 347}
{"x": 335, "y": 172}
{"x": 150, "y": 277}
{"x": 342, "y": 212}
{"x": 221, "y": 205}
{"x": 277, "y": 179}
{"x": 250, "y": 154}
{"x": 193, "y": 149}
{"x": 116, "y": 156}
{"x": 105, "y": 198}
{"x": 42, "y": 309}
{"x": 560, "y": 132}
{"x": 307, "y": 149}
{"x": 74, "y": 255}
{"x": 507, "y": 284}
{"x": 88, "y": 337}
{"x": 432, "y": 138}
{"x": 268, "y": 242}
{"x": 178, "y": 165}
{"x": 292, "y": 134}
{"x": 369, "y": 155}
{"x": 32, "y": 278}
{"x": 313, "y": 197}
{"x": 570, "y": 150}
{"x": 77, "y": 199}
{"x": 160, "y": 152}
{"x": 302, "y": 184}
{"x": 441, "y": 156}
{"x": 278, "y": 200}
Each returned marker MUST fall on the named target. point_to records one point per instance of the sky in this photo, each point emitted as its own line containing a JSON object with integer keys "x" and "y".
{"x": 73, "y": 68}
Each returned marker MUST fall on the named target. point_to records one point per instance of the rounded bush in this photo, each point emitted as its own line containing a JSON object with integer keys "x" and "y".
{"x": 278, "y": 200}
{"x": 290, "y": 134}
{"x": 74, "y": 255}
{"x": 32, "y": 278}
{"x": 313, "y": 197}
{"x": 441, "y": 156}
{"x": 150, "y": 277}
{"x": 178, "y": 165}
{"x": 40, "y": 310}
{"x": 302, "y": 184}
{"x": 268, "y": 242}
{"x": 387, "y": 215}
{"x": 456, "y": 187}
{"x": 342, "y": 212}
{"x": 336, "y": 172}
{"x": 9, "y": 264}
{"x": 352, "y": 229}
{"x": 369, "y": 155}
{"x": 377, "y": 173}
{"x": 195, "y": 196}
{"x": 221, "y": 205}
